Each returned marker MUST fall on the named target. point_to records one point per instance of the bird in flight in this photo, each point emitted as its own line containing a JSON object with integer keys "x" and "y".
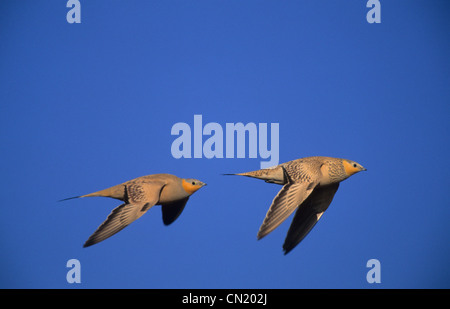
{"x": 309, "y": 185}
{"x": 139, "y": 195}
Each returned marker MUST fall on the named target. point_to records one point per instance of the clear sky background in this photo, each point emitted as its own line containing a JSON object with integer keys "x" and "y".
{"x": 87, "y": 106}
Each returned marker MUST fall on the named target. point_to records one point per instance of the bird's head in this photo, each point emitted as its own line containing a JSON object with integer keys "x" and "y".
{"x": 191, "y": 185}
{"x": 352, "y": 167}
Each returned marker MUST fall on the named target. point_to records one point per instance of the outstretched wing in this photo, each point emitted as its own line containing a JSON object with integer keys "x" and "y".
{"x": 117, "y": 220}
{"x": 171, "y": 211}
{"x": 308, "y": 214}
{"x": 287, "y": 200}
{"x": 141, "y": 197}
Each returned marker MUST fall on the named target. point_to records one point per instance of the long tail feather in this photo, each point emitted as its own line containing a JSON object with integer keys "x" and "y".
{"x": 70, "y": 198}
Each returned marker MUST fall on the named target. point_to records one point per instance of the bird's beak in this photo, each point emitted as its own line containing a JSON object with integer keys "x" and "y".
{"x": 364, "y": 169}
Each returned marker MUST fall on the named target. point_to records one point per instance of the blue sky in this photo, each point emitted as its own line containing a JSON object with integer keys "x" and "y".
{"x": 90, "y": 105}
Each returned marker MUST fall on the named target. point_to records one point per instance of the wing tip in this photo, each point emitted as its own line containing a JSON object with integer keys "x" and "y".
{"x": 286, "y": 249}
{"x": 261, "y": 234}
{"x": 91, "y": 241}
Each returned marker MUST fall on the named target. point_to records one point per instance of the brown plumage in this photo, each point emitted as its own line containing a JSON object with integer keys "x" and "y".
{"x": 139, "y": 195}
{"x": 309, "y": 185}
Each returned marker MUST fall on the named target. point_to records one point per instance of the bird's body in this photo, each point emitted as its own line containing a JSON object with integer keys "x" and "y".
{"x": 309, "y": 185}
{"x": 139, "y": 195}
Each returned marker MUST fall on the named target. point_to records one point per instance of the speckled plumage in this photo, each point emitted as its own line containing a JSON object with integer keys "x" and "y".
{"x": 141, "y": 194}
{"x": 309, "y": 185}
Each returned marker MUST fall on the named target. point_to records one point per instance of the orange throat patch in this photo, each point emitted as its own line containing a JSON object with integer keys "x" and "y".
{"x": 189, "y": 187}
{"x": 349, "y": 169}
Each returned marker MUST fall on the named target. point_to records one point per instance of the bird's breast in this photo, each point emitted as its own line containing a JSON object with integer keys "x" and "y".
{"x": 172, "y": 192}
{"x": 332, "y": 172}
{"x": 325, "y": 177}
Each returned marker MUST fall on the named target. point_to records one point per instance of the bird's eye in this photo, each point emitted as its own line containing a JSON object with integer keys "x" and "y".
{"x": 193, "y": 182}
{"x": 354, "y": 165}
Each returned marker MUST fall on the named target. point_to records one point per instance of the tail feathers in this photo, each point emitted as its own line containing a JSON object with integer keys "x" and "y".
{"x": 248, "y": 174}
{"x": 99, "y": 193}
{"x": 271, "y": 175}
{"x": 70, "y": 198}
{"x": 117, "y": 192}
{"x": 79, "y": 196}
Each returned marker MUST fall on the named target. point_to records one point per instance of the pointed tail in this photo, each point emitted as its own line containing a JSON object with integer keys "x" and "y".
{"x": 69, "y": 198}
{"x": 272, "y": 175}
{"x": 117, "y": 192}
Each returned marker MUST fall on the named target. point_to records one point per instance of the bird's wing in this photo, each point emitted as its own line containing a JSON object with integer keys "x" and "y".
{"x": 141, "y": 198}
{"x": 148, "y": 191}
{"x": 286, "y": 201}
{"x": 308, "y": 214}
{"x": 171, "y": 211}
